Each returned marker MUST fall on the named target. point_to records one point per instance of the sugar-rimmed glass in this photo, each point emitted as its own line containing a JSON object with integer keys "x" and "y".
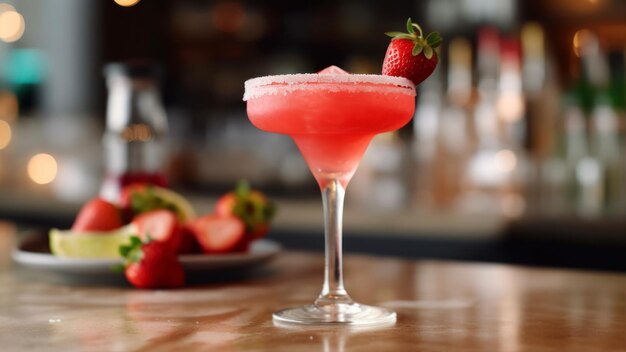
{"x": 332, "y": 118}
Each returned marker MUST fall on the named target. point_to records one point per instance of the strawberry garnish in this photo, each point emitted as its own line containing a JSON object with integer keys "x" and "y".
{"x": 151, "y": 264}
{"x": 410, "y": 54}
{"x": 97, "y": 215}
{"x": 219, "y": 233}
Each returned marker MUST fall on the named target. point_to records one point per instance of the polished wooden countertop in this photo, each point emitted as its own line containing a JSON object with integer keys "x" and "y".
{"x": 441, "y": 306}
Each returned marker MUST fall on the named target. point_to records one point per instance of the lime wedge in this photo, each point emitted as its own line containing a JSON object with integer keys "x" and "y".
{"x": 65, "y": 243}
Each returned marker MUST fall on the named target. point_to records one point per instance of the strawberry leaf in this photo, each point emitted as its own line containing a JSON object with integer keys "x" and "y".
{"x": 124, "y": 250}
{"x": 393, "y": 34}
{"x": 135, "y": 255}
{"x": 400, "y": 35}
{"x": 132, "y": 252}
{"x": 434, "y": 39}
{"x": 135, "y": 241}
{"x": 147, "y": 200}
{"x": 409, "y": 26}
{"x": 428, "y": 52}
{"x": 242, "y": 189}
{"x": 417, "y": 49}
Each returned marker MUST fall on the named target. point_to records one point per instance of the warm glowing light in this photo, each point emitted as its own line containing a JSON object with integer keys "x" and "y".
{"x": 5, "y": 134}
{"x": 126, "y": 3}
{"x": 510, "y": 107}
{"x": 532, "y": 39}
{"x": 42, "y": 168}
{"x": 505, "y": 160}
{"x": 228, "y": 16}
{"x": 136, "y": 132}
{"x": 580, "y": 39}
{"x": 11, "y": 25}
{"x": 8, "y": 106}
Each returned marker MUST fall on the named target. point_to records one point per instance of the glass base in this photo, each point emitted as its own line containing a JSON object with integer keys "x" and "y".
{"x": 340, "y": 314}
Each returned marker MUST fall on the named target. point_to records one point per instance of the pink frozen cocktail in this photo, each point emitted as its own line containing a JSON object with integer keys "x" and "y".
{"x": 332, "y": 116}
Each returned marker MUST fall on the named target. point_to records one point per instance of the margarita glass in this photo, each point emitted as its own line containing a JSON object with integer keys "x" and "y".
{"x": 332, "y": 117}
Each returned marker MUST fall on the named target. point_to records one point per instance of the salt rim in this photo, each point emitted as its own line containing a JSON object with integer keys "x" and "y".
{"x": 258, "y": 92}
{"x": 259, "y": 86}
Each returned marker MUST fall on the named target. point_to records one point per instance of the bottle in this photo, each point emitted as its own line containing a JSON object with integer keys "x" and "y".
{"x": 454, "y": 144}
{"x": 136, "y": 135}
{"x": 590, "y": 91}
{"x": 579, "y": 166}
{"x": 606, "y": 149}
{"x": 484, "y": 180}
{"x": 617, "y": 93}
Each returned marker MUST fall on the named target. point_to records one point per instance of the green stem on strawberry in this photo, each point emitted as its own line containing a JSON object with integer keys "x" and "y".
{"x": 421, "y": 44}
{"x": 242, "y": 189}
{"x": 132, "y": 252}
{"x": 411, "y": 26}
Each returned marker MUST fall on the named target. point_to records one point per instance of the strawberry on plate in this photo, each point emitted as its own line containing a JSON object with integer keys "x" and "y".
{"x": 97, "y": 215}
{"x": 251, "y": 206}
{"x": 188, "y": 242}
{"x": 160, "y": 226}
{"x": 219, "y": 233}
{"x": 151, "y": 264}
{"x": 411, "y": 55}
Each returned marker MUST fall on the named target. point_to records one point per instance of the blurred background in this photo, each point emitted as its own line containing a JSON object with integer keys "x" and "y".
{"x": 516, "y": 152}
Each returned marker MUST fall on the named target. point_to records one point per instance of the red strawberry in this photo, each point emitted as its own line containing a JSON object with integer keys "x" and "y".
{"x": 188, "y": 242}
{"x": 410, "y": 55}
{"x": 251, "y": 206}
{"x": 151, "y": 264}
{"x": 97, "y": 215}
{"x": 259, "y": 230}
{"x": 243, "y": 246}
{"x": 126, "y": 196}
{"x": 225, "y": 204}
{"x": 161, "y": 226}
{"x": 218, "y": 234}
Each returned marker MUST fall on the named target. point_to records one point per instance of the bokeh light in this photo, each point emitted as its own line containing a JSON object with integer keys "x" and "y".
{"x": 42, "y": 168}
{"x": 510, "y": 106}
{"x": 505, "y": 160}
{"x": 5, "y": 134}
{"x": 581, "y": 37}
{"x": 12, "y": 24}
{"x": 228, "y": 16}
{"x": 9, "y": 106}
{"x": 137, "y": 132}
{"x": 126, "y": 3}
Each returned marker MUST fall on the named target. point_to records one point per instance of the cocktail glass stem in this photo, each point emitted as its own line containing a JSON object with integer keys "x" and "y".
{"x": 333, "y": 291}
{"x": 334, "y": 306}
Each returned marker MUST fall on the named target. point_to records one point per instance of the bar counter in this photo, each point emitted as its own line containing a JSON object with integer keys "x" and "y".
{"x": 441, "y": 306}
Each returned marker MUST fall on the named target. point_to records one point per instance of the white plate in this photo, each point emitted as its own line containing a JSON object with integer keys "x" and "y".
{"x": 33, "y": 252}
